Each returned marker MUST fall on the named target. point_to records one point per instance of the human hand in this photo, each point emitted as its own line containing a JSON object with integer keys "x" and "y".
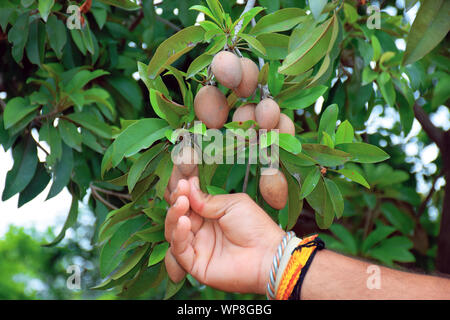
{"x": 224, "y": 241}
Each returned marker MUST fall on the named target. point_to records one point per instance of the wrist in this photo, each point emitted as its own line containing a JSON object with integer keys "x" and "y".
{"x": 266, "y": 264}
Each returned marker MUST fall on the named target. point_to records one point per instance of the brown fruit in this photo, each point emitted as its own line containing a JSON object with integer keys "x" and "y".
{"x": 285, "y": 125}
{"x": 211, "y": 107}
{"x": 267, "y": 114}
{"x": 249, "y": 82}
{"x": 186, "y": 159}
{"x": 245, "y": 113}
{"x": 274, "y": 188}
{"x": 227, "y": 69}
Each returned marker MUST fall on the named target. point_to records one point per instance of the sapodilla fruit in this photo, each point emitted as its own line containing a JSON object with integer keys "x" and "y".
{"x": 227, "y": 69}
{"x": 186, "y": 160}
{"x": 285, "y": 125}
{"x": 249, "y": 82}
{"x": 267, "y": 113}
{"x": 245, "y": 113}
{"x": 211, "y": 107}
{"x": 274, "y": 188}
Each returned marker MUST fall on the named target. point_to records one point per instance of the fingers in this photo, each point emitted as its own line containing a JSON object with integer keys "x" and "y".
{"x": 179, "y": 208}
{"x": 175, "y": 177}
{"x": 181, "y": 247}
{"x": 175, "y": 271}
{"x": 208, "y": 206}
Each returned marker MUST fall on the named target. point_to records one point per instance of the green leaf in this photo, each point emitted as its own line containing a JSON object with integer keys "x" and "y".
{"x": 70, "y": 134}
{"x": 393, "y": 249}
{"x": 275, "y": 80}
{"x": 326, "y": 156}
{"x": 158, "y": 253}
{"x": 254, "y": 43}
{"x": 172, "y": 288}
{"x": 199, "y": 63}
{"x": 130, "y": 262}
{"x": 354, "y": 176}
{"x": 311, "y": 51}
{"x": 90, "y": 122}
{"x": 163, "y": 171}
{"x": 25, "y": 162}
{"x": 270, "y": 5}
{"x": 368, "y": 75}
{"x": 18, "y": 36}
{"x": 57, "y": 35}
{"x": 281, "y": 20}
{"x": 380, "y": 233}
{"x": 275, "y": 44}
{"x": 245, "y": 19}
{"x": 152, "y": 234}
{"x": 344, "y": 133}
{"x": 36, "y": 42}
{"x": 170, "y": 110}
{"x": 320, "y": 201}
{"x": 16, "y": 109}
{"x": 398, "y": 218}
{"x": 128, "y": 89}
{"x": 173, "y": 48}
{"x": 70, "y": 221}
{"x": 328, "y": 121}
{"x": 205, "y": 11}
{"x": 62, "y": 172}
{"x": 140, "y": 135}
{"x": 387, "y": 88}
{"x": 141, "y": 164}
{"x": 114, "y": 250}
{"x": 294, "y": 204}
{"x": 317, "y": 7}
{"x": 215, "y": 190}
{"x": 289, "y": 143}
{"x": 54, "y": 140}
{"x": 376, "y": 48}
{"x": 300, "y": 99}
{"x": 44, "y": 7}
{"x": 346, "y": 237}
{"x": 81, "y": 78}
{"x": 363, "y": 152}
{"x": 40, "y": 180}
{"x": 123, "y": 4}
{"x": 336, "y": 197}
{"x": 430, "y": 27}
{"x": 310, "y": 183}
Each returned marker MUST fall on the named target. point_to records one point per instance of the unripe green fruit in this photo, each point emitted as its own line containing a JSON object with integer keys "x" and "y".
{"x": 227, "y": 69}
{"x": 211, "y": 107}
{"x": 249, "y": 82}
{"x": 267, "y": 114}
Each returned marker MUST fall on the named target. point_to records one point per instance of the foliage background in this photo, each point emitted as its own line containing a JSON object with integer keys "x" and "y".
{"x": 72, "y": 93}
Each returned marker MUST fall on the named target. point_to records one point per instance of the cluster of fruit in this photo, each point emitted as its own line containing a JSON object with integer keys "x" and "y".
{"x": 211, "y": 107}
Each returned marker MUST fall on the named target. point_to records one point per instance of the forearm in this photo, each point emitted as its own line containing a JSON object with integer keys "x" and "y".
{"x": 335, "y": 276}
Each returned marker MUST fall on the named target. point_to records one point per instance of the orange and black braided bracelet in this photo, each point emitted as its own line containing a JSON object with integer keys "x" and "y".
{"x": 295, "y": 271}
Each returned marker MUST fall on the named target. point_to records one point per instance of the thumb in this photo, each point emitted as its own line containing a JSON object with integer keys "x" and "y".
{"x": 206, "y": 205}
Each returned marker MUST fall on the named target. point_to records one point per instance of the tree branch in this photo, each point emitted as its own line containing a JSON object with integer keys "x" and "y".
{"x": 167, "y": 22}
{"x": 423, "y": 205}
{"x": 102, "y": 200}
{"x": 250, "y": 4}
{"x": 111, "y": 193}
{"x": 435, "y": 134}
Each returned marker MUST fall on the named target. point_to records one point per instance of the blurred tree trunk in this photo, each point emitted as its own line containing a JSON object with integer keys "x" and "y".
{"x": 443, "y": 255}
